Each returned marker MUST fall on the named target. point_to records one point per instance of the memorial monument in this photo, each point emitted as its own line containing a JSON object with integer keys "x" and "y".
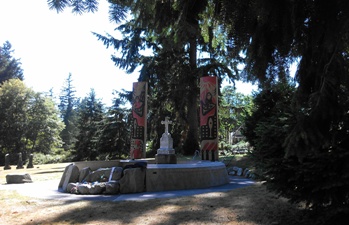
{"x": 163, "y": 173}
{"x": 166, "y": 153}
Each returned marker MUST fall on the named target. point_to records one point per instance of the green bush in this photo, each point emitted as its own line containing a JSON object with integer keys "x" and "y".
{"x": 56, "y": 156}
{"x": 294, "y": 160}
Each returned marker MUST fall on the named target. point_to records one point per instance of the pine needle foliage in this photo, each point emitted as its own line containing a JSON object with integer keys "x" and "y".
{"x": 10, "y": 67}
{"x": 312, "y": 160}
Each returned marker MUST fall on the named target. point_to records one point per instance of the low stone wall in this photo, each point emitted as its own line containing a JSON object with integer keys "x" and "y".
{"x": 109, "y": 177}
{"x": 114, "y": 180}
{"x": 201, "y": 174}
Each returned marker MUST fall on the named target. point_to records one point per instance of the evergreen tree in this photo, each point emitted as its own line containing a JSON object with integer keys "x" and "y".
{"x": 10, "y": 68}
{"x": 90, "y": 117}
{"x": 175, "y": 31}
{"x": 67, "y": 107}
{"x": 268, "y": 126}
{"x": 77, "y": 6}
{"x": 313, "y": 156}
{"x": 267, "y": 36}
{"x": 113, "y": 132}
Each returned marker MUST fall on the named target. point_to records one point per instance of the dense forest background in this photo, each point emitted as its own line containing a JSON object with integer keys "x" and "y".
{"x": 66, "y": 128}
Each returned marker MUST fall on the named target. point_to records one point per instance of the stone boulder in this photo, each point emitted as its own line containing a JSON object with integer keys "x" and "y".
{"x": 112, "y": 187}
{"x": 84, "y": 173}
{"x": 84, "y": 189}
{"x": 97, "y": 188}
{"x": 104, "y": 175}
{"x": 70, "y": 175}
{"x": 235, "y": 171}
{"x": 87, "y": 188}
{"x": 100, "y": 175}
{"x": 133, "y": 180}
{"x": 130, "y": 179}
{"x": 72, "y": 188}
{"x": 239, "y": 172}
{"x": 18, "y": 178}
{"x": 116, "y": 173}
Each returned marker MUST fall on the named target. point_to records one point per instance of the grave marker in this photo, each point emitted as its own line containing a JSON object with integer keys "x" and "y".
{"x": 30, "y": 164}
{"x": 20, "y": 161}
{"x": 7, "y": 162}
{"x": 166, "y": 153}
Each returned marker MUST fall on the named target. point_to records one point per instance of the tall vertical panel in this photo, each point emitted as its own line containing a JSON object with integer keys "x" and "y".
{"x": 139, "y": 117}
{"x": 209, "y": 118}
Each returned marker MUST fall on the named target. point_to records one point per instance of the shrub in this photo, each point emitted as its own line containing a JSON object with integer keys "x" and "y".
{"x": 294, "y": 159}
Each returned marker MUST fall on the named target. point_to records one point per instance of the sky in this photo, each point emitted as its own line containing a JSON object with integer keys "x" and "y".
{"x": 52, "y": 45}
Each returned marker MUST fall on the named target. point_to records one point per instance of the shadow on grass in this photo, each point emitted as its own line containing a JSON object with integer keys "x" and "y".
{"x": 56, "y": 168}
{"x": 52, "y": 171}
{"x": 249, "y": 205}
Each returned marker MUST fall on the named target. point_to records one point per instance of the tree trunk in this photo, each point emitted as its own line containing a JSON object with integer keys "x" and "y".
{"x": 192, "y": 140}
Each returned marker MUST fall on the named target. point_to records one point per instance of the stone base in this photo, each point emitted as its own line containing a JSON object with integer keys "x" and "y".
{"x": 133, "y": 181}
{"x": 166, "y": 159}
{"x": 184, "y": 176}
{"x": 165, "y": 151}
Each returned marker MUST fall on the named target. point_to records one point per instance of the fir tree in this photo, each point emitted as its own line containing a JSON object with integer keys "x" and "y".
{"x": 67, "y": 107}
{"x": 90, "y": 116}
{"x": 10, "y": 68}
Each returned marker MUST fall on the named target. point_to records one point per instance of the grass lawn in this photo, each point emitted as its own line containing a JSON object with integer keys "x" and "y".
{"x": 249, "y": 206}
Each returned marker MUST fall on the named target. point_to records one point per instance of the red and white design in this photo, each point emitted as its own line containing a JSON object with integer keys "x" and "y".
{"x": 139, "y": 116}
{"x": 209, "y": 117}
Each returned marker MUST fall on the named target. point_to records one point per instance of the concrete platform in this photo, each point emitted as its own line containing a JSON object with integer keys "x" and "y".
{"x": 48, "y": 190}
{"x": 94, "y": 165}
{"x": 184, "y": 176}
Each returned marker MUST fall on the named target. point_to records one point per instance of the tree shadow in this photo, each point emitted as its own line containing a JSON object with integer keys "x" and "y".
{"x": 249, "y": 205}
{"x": 46, "y": 172}
{"x": 56, "y": 168}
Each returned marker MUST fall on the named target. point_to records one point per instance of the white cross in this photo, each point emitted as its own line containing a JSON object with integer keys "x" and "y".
{"x": 166, "y": 122}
